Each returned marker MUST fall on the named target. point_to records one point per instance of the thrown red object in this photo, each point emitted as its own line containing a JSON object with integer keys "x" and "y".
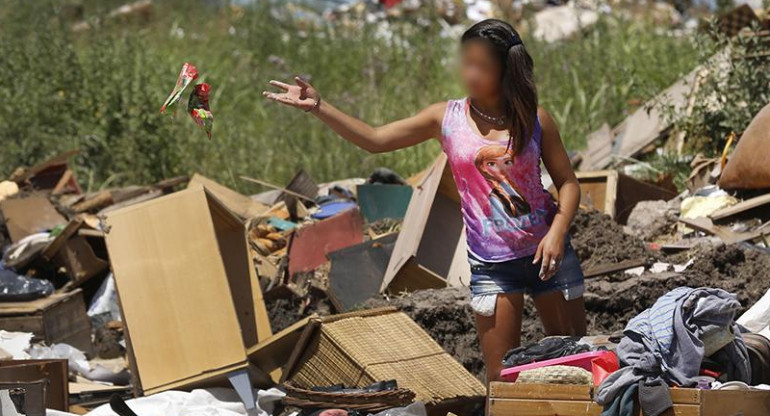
{"x": 310, "y": 244}
{"x": 198, "y": 107}
{"x": 188, "y": 74}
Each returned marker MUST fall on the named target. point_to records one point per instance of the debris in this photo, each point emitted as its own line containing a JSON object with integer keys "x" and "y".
{"x": 310, "y": 244}
{"x": 53, "y": 175}
{"x": 430, "y": 251}
{"x": 191, "y": 309}
{"x": 363, "y": 342}
{"x": 598, "y": 240}
{"x": 15, "y": 344}
{"x": 17, "y": 288}
{"x": 243, "y": 206}
{"x": 53, "y": 371}
{"x": 624, "y": 265}
{"x": 561, "y": 22}
{"x": 8, "y": 188}
{"x": 29, "y": 215}
{"x": 356, "y": 272}
{"x": 756, "y": 205}
{"x": 616, "y": 194}
{"x": 649, "y": 220}
{"x": 58, "y": 318}
{"x": 378, "y": 201}
{"x": 749, "y": 164}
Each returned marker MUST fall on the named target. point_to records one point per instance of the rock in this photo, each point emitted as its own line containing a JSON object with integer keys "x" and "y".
{"x": 651, "y": 219}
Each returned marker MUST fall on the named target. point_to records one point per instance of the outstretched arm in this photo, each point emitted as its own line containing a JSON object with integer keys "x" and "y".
{"x": 556, "y": 161}
{"x": 392, "y": 136}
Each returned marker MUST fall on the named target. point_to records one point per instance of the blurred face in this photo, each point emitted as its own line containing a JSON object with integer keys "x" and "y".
{"x": 479, "y": 69}
{"x": 497, "y": 166}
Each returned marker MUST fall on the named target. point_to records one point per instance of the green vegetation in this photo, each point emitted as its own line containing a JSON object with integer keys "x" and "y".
{"x": 100, "y": 90}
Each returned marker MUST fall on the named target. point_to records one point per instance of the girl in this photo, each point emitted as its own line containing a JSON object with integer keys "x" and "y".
{"x": 524, "y": 251}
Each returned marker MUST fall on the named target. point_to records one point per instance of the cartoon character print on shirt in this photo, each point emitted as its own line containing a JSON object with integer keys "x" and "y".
{"x": 506, "y": 201}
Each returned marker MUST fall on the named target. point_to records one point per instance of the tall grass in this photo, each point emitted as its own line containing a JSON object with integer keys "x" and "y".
{"x": 100, "y": 90}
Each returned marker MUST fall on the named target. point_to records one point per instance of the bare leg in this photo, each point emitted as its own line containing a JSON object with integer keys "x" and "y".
{"x": 560, "y": 316}
{"x": 500, "y": 332}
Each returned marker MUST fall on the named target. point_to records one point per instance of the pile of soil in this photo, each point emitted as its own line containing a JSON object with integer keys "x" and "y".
{"x": 285, "y": 311}
{"x": 599, "y": 240}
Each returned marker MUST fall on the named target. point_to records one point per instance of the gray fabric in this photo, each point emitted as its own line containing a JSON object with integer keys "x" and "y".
{"x": 664, "y": 341}
{"x": 654, "y": 398}
{"x": 623, "y": 405}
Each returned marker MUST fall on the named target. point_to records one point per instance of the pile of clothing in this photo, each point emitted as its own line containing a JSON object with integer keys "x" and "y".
{"x": 688, "y": 338}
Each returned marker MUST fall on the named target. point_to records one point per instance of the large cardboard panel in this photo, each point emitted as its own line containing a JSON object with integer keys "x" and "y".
{"x": 310, "y": 244}
{"x": 29, "y": 215}
{"x": 242, "y": 205}
{"x": 431, "y": 241}
{"x": 171, "y": 257}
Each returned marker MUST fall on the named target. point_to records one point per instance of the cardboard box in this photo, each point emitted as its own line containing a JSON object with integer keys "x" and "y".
{"x": 243, "y": 206}
{"x": 29, "y": 215}
{"x": 616, "y": 194}
{"x": 310, "y": 244}
{"x": 430, "y": 251}
{"x": 519, "y": 399}
{"x": 54, "y": 372}
{"x": 189, "y": 295}
{"x": 360, "y": 348}
{"x": 59, "y": 318}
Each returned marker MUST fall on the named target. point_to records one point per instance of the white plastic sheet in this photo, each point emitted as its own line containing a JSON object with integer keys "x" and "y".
{"x": 203, "y": 402}
{"x": 757, "y": 318}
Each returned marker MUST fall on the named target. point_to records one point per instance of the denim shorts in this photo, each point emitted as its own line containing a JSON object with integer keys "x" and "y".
{"x": 521, "y": 276}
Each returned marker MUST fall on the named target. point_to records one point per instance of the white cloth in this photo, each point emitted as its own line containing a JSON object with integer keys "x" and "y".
{"x": 203, "y": 402}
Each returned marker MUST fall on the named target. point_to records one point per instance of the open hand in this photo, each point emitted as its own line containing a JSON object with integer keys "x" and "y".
{"x": 302, "y": 95}
{"x": 549, "y": 253}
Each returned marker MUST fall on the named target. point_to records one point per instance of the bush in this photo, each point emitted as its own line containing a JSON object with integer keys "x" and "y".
{"x": 100, "y": 90}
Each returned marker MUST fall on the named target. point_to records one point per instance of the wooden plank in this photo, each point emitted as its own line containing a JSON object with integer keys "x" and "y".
{"x": 539, "y": 391}
{"x": 741, "y": 207}
{"x": 614, "y": 267}
{"x": 503, "y": 390}
{"x": 727, "y": 235}
{"x": 541, "y": 407}
{"x": 58, "y": 242}
{"x": 735, "y": 403}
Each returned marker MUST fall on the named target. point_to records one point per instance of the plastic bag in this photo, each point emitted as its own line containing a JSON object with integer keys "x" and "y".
{"x": 16, "y": 288}
{"x": 414, "y": 409}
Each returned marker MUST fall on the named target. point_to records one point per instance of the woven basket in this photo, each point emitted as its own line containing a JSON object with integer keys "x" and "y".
{"x": 556, "y": 374}
{"x": 369, "y": 402}
{"x": 361, "y": 348}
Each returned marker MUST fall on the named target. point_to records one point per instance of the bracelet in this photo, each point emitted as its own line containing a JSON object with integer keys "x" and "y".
{"x": 315, "y": 105}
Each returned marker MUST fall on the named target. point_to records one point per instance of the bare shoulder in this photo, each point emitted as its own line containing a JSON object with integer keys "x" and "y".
{"x": 546, "y": 121}
{"x": 436, "y": 111}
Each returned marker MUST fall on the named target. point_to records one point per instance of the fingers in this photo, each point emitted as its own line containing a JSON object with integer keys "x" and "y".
{"x": 545, "y": 266}
{"x": 538, "y": 253}
{"x": 278, "y": 84}
{"x": 301, "y": 82}
{"x": 280, "y": 98}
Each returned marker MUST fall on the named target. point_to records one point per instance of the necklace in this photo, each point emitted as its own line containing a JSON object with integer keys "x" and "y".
{"x": 500, "y": 121}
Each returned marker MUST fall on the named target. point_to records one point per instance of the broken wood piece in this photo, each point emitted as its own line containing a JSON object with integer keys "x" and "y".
{"x": 724, "y": 233}
{"x": 616, "y": 267}
{"x": 762, "y": 201}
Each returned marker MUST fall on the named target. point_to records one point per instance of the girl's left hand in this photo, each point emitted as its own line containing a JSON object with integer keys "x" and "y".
{"x": 549, "y": 253}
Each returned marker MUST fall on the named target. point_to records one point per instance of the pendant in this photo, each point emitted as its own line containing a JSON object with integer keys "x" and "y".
{"x": 500, "y": 122}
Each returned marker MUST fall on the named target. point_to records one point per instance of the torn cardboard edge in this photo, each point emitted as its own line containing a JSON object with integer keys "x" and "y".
{"x": 245, "y": 207}
{"x": 272, "y": 355}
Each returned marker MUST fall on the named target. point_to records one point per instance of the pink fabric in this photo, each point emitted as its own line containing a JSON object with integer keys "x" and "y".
{"x": 505, "y": 208}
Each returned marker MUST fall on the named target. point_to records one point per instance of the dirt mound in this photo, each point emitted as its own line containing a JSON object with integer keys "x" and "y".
{"x": 598, "y": 240}
{"x": 285, "y": 311}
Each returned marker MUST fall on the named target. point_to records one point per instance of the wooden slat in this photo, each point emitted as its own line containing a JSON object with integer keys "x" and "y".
{"x": 501, "y": 390}
{"x": 523, "y": 407}
{"x": 735, "y": 403}
{"x": 741, "y": 207}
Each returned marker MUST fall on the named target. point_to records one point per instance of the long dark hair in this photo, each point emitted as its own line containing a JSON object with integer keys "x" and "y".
{"x": 517, "y": 80}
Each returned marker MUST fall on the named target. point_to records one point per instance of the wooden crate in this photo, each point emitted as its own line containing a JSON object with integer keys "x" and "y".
{"x": 614, "y": 193}
{"x": 59, "y": 318}
{"x": 520, "y": 399}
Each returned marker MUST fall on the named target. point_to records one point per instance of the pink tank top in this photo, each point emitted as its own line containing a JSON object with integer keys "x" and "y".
{"x": 505, "y": 208}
